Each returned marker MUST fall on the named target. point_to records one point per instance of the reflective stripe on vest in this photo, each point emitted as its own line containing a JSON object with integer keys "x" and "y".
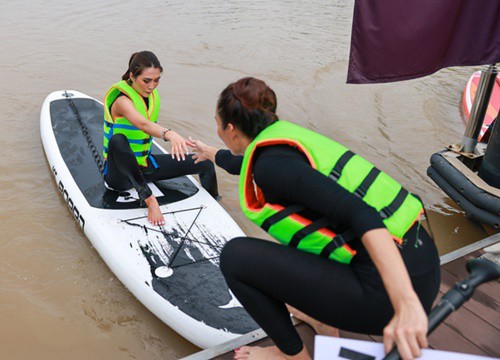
{"x": 398, "y": 208}
{"x": 139, "y": 141}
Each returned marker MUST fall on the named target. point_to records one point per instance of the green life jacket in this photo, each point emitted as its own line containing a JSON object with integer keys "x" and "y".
{"x": 398, "y": 208}
{"x": 139, "y": 141}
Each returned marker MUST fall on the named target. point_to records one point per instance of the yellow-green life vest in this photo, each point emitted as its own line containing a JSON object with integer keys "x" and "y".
{"x": 139, "y": 141}
{"x": 398, "y": 208}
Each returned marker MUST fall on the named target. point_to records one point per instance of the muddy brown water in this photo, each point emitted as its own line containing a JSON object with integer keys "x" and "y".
{"x": 58, "y": 299}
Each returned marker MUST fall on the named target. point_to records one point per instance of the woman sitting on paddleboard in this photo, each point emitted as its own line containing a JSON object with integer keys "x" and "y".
{"x": 131, "y": 109}
{"x": 357, "y": 257}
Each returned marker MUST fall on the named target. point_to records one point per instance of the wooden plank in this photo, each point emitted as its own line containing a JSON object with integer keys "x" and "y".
{"x": 477, "y": 331}
{"x": 458, "y": 267}
{"x": 446, "y": 339}
{"x": 481, "y": 304}
{"x": 355, "y": 336}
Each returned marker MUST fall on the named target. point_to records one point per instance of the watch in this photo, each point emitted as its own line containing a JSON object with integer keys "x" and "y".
{"x": 163, "y": 134}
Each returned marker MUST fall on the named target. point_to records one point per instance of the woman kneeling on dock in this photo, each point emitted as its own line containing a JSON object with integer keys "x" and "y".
{"x": 356, "y": 258}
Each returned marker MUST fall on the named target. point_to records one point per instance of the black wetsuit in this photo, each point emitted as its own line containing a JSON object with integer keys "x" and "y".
{"x": 123, "y": 172}
{"x": 265, "y": 275}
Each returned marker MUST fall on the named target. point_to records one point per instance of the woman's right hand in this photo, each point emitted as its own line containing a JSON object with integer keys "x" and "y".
{"x": 179, "y": 145}
{"x": 202, "y": 151}
{"x": 407, "y": 329}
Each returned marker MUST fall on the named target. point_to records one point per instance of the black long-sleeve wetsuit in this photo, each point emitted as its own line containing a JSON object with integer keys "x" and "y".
{"x": 265, "y": 275}
{"x": 123, "y": 172}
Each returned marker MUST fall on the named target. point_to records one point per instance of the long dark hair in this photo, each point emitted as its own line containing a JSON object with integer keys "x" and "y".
{"x": 139, "y": 61}
{"x": 249, "y": 104}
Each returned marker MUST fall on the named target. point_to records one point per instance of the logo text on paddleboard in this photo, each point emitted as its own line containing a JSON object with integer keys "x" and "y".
{"x": 76, "y": 213}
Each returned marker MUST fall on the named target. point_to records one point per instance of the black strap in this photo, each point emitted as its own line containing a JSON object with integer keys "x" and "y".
{"x": 338, "y": 241}
{"x": 390, "y": 209}
{"x": 341, "y": 163}
{"x": 367, "y": 182}
{"x": 280, "y": 215}
{"x": 309, "y": 229}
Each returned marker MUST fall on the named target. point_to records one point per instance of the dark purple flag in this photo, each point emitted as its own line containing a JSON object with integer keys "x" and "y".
{"x": 395, "y": 40}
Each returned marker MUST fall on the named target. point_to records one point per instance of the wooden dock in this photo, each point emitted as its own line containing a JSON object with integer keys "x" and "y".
{"x": 473, "y": 329}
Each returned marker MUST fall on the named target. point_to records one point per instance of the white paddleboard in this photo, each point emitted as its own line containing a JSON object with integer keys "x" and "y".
{"x": 173, "y": 270}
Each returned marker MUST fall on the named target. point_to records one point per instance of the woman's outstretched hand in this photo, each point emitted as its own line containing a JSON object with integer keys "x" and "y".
{"x": 179, "y": 146}
{"x": 407, "y": 329}
{"x": 202, "y": 151}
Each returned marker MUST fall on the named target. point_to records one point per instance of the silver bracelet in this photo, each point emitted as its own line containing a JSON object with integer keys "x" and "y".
{"x": 163, "y": 134}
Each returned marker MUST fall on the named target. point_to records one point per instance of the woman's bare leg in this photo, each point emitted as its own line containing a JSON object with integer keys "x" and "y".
{"x": 155, "y": 216}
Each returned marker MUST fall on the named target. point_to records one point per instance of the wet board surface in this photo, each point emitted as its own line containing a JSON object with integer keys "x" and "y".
{"x": 172, "y": 270}
{"x": 493, "y": 106}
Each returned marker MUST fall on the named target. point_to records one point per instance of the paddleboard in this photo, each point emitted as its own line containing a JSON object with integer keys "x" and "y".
{"x": 173, "y": 270}
{"x": 468, "y": 99}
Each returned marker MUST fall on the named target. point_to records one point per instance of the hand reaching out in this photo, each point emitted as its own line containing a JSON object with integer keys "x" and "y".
{"x": 202, "y": 151}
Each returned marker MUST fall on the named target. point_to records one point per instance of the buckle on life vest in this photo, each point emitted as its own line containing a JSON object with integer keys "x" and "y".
{"x": 362, "y": 189}
{"x": 341, "y": 163}
{"x": 390, "y": 209}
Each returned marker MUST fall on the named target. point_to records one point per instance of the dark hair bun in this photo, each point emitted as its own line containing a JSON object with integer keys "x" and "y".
{"x": 248, "y": 104}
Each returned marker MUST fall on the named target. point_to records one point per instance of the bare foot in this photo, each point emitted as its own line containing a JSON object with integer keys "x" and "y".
{"x": 267, "y": 353}
{"x": 155, "y": 217}
{"x": 319, "y": 327}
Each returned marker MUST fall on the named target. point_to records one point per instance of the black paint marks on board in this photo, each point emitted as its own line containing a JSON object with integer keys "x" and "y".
{"x": 353, "y": 355}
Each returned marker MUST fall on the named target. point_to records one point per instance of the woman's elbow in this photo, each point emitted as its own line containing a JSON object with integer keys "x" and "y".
{"x": 145, "y": 126}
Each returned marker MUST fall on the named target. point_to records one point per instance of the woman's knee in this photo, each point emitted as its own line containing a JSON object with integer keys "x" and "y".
{"x": 231, "y": 255}
{"x": 117, "y": 141}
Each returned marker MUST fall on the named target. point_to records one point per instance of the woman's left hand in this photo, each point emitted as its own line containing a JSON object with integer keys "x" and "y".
{"x": 179, "y": 145}
{"x": 202, "y": 151}
{"x": 407, "y": 329}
